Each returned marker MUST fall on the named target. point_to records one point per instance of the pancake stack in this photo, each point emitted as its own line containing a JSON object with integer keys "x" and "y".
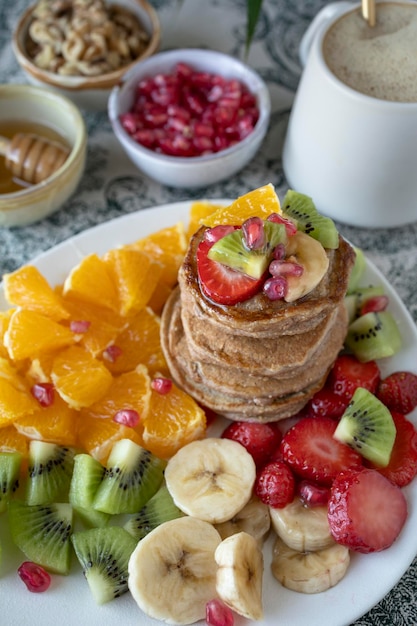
{"x": 259, "y": 360}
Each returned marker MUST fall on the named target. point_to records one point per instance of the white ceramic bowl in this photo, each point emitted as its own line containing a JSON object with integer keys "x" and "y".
{"x": 88, "y": 92}
{"x": 41, "y": 106}
{"x": 199, "y": 171}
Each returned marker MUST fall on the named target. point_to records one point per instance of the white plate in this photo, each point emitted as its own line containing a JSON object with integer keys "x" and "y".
{"x": 69, "y": 601}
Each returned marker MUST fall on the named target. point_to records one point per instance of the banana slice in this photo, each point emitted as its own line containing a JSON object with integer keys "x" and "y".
{"x": 253, "y": 519}
{"x": 239, "y": 574}
{"x": 172, "y": 571}
{"x": 312, "y": 256}
{"x": 305, "y": 529}
{"x": 211, "y": 479}
{"x": 309, "y": 572}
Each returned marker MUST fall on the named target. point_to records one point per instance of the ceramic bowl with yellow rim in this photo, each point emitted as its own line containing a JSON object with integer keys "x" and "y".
{"x": 83, "y": 49}
{"x": 37, "y": 110}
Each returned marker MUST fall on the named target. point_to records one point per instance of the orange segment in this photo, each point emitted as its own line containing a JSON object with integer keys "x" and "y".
{"x": 90, "y": 281}
{"x": 139, "y": 343}
{"x": 135, "y": 274}
{"x": 198, "y": 212}
{"x": 173, "y": 420}
{"x": 28, "y": 288}
{"x": 56, "y": 423}
{"x": 260, "y": 202}
{"x": 30, "y": 334}
{"x": 97, "y": 436}
{"x": 14, "y": 402}
{"x": 131, "y": 390}
{"x": 12, "y": 441}
{"x": 4, "y": 324}
{"x": 10, "y": 373}
{"x": 159, "y": 297}
{"x": 168, "y": 247}
{"x": 79, "y": 378}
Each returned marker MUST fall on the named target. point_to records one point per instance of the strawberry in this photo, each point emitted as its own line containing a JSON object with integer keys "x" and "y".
{"x": 327, "y": 403}
{"x": 260, "y": 440}
{"x": 275, "y": 485}
{"x": 313, "y": 453}
{"x": 366, "y": 512}
{"x": 221, "y": 283}
{"x": 348, "y": 374}
{"x": 402, "y": 467}
{"x": 398, "y": 392}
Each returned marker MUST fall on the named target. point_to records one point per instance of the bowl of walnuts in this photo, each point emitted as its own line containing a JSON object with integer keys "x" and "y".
{"x": 83, "y": 48}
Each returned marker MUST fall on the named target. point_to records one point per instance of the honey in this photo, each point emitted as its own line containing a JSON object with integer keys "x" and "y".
{"x": 9, "y": 128}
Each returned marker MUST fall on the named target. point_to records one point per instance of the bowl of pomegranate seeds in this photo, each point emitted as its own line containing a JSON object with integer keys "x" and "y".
{"x": 190, "y": 117}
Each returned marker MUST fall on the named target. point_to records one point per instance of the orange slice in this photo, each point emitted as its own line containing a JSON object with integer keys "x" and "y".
{"x": 12, "y": 441}
{"x": 97, "y": 436}
{"x": 173, "y": 420}
{"x": 198, "y": 213}
{"x": 30, "y": 333}
{"x": 90, "y": 281}
{"x": 260, "y": 202}
{"x": 168, "y": 247}
{"x": 14, "y": 402}
{"x": 135, "y": 274}
{"x": 79, "y": 378}
{"x": 28, "y": 288}
{"x": 131, "y": 390}
{"x": 56, "y": 423}
{"x": 139, "y": 343}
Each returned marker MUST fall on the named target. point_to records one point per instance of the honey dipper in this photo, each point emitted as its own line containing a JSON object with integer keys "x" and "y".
{"x": 32, "y": 158}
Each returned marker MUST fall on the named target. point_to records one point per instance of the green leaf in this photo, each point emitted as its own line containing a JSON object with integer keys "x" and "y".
{"x": 253, "y": 10}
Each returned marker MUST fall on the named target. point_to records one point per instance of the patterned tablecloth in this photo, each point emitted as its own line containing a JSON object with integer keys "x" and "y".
{"x": 112, "y": 186}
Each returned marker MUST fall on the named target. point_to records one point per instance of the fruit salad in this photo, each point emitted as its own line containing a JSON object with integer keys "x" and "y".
{"x": 106, "y": 463}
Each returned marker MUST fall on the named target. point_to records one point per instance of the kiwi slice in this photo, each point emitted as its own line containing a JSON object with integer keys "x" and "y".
{"x": 133, "y": 475}
{"x": 104, "y": 555}
{"x": 302, "y": 209}
{"x": 86, "y": 478}
{"x": 232, "y": 251}
{"x": 9, "y": 476}
{"x": 42, "y": 532}
{"x": 351, "y": 304}
{"x": 367, "y": 426}
{"x": 50, "y": 470}
{"x": 160, "y": 508}
{"x": 357, "y": 270}
{"x": 373, "y": 336}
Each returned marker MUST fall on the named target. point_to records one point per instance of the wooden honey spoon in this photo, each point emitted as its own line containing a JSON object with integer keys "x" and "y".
{"x": 31, "y": 158}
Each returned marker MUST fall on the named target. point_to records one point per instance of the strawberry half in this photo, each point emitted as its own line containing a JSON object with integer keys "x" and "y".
{"x": 402, "y": 467}
{"x": 366, "y": 512}
{"x": 398, "y": 392}
{"x": 223, "y": 284}
{"x": 313, "y": 453}
{"x": 348, "y": 374}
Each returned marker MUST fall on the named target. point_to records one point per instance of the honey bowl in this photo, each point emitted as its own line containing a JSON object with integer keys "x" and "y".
{"x": 29, "y": 109}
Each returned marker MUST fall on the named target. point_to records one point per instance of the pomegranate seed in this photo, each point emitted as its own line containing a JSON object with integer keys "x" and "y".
{"x": 34, "y": 576}
{"x": 218, "y": 614}
{"x": 290, "y": 227}
{"x": 285, "y": 268}
{"x": 224, "y": 116}
{"x": 176, "y": 146}
{"x": 212, "y": 235}
{"x": 79, "y": 326}
{"x": 203, "y": 130}
{"x": 178, "y": 112}
{"x": 156, "y": 117}
{"x": 254, "y": 233}
{"x": 161, "y": 385}
{"x": 374, "y": 304}
{"x": 215, "y": 93}
{"x": 275, "y": 288}
{"x": 112, "y": 353}
{"x": 183, "y": 70}
{"x": 312, "y": 494}
{"x": 127, "y": 417}
{"x": 44, "y": 393}
{"x": 129, "y": 122}
{"x": 203, "y": 145}
{"x": 279, "y": 252}
{"x": 146, "y": 137}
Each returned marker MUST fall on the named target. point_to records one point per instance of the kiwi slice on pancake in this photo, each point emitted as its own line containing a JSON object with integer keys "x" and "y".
{"x": 133, "y": 475}
{"x": 9, "y": 476}
{"x": 373, "y": 336}
{"x": 86, "y": 478}
{"x": 159, "y": 509}
{"x": 42, "y": 532}
{"x": 232, "y": 251}
{"x": 49, "y": 470}
{"x": 367, "y": 426}
{"x": 104, "y": 555}
{"x": 302, "y": 209}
